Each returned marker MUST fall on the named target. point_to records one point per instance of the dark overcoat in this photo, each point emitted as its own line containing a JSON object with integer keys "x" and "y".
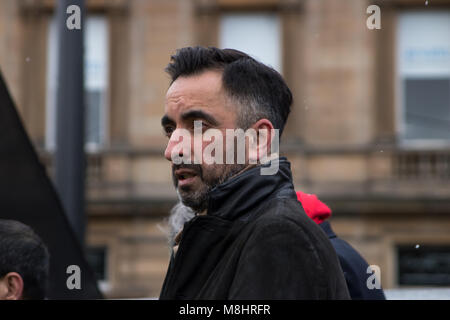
{"x": 255, "y": 242}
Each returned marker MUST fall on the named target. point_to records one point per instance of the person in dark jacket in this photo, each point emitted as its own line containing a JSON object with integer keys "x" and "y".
{"x": 250, "y": 238}
{"x": 352, "y": 263}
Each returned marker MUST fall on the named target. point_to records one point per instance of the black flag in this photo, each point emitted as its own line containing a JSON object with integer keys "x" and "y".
{"x": 27, "y": 195}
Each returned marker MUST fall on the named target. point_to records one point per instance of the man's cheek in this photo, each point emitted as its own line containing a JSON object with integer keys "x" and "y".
{"x": 212, "y": 173}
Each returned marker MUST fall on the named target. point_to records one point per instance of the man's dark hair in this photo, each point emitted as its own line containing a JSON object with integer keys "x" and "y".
{"x": 22, "y": 251}
{"x": 259, "y": 90}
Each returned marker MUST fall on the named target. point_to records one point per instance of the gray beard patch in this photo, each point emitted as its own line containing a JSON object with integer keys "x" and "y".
{"x": 198, "y": 200}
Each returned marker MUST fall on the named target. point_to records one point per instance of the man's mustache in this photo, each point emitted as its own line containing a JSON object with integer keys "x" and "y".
{"x": 196, "y": 168}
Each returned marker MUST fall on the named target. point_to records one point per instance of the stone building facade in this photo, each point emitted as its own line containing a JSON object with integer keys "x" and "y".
{"x": 347, "y": 136}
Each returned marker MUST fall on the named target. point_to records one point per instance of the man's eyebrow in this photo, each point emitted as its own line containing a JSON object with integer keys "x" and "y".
{"x": 165, "y": 120}
{"x": 199, "y": 114}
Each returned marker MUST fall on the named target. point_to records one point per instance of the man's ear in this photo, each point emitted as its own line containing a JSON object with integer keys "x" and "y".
{"x": 264, "y": 134}
{"x": 14, "y": 286}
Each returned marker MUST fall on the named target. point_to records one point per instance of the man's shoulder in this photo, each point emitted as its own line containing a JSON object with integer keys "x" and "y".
{"x": 284, "y": 215}
{"x": 283, "y": 211}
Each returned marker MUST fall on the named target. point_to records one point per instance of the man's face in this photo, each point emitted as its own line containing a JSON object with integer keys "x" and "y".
{"x": 197, "y": 98}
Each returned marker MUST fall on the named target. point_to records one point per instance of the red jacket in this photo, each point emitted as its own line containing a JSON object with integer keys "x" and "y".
{"x": 314, "y": 208}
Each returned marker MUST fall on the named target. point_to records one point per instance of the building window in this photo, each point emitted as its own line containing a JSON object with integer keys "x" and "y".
{"x": 95, "y": 82}
{"x": 423, "y": 59}
{"x": 424, "y": 265}
{"x": 258, "y": 34}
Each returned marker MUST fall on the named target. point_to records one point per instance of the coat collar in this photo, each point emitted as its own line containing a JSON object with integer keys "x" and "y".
{"x": 243, "y": 193}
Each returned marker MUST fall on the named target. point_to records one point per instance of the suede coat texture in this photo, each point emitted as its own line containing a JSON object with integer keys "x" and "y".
{"x": 256, "y": 242}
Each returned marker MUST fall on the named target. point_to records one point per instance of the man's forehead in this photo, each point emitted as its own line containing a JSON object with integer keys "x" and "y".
{"x": 208, "y": 82}
{"x": 204, "y": 89}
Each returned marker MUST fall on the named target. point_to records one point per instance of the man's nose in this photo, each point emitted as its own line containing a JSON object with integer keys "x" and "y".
{"x": 169, "y": 148}
{"x": 174, "y": 140}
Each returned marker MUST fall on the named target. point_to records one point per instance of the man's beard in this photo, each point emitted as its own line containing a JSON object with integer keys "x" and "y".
{"x": 197, "y": 199}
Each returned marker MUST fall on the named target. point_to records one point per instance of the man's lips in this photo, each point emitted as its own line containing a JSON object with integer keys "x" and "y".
{"x": 185, "y": 176}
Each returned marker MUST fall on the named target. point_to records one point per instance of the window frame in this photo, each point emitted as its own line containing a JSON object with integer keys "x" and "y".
{"x": 50, "y": 111}
{"x": 400, "y": 103}
{"x": 279, "y": 23}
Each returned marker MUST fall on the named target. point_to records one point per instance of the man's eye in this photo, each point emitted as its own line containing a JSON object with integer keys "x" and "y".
{"x": 168, "y": 130}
